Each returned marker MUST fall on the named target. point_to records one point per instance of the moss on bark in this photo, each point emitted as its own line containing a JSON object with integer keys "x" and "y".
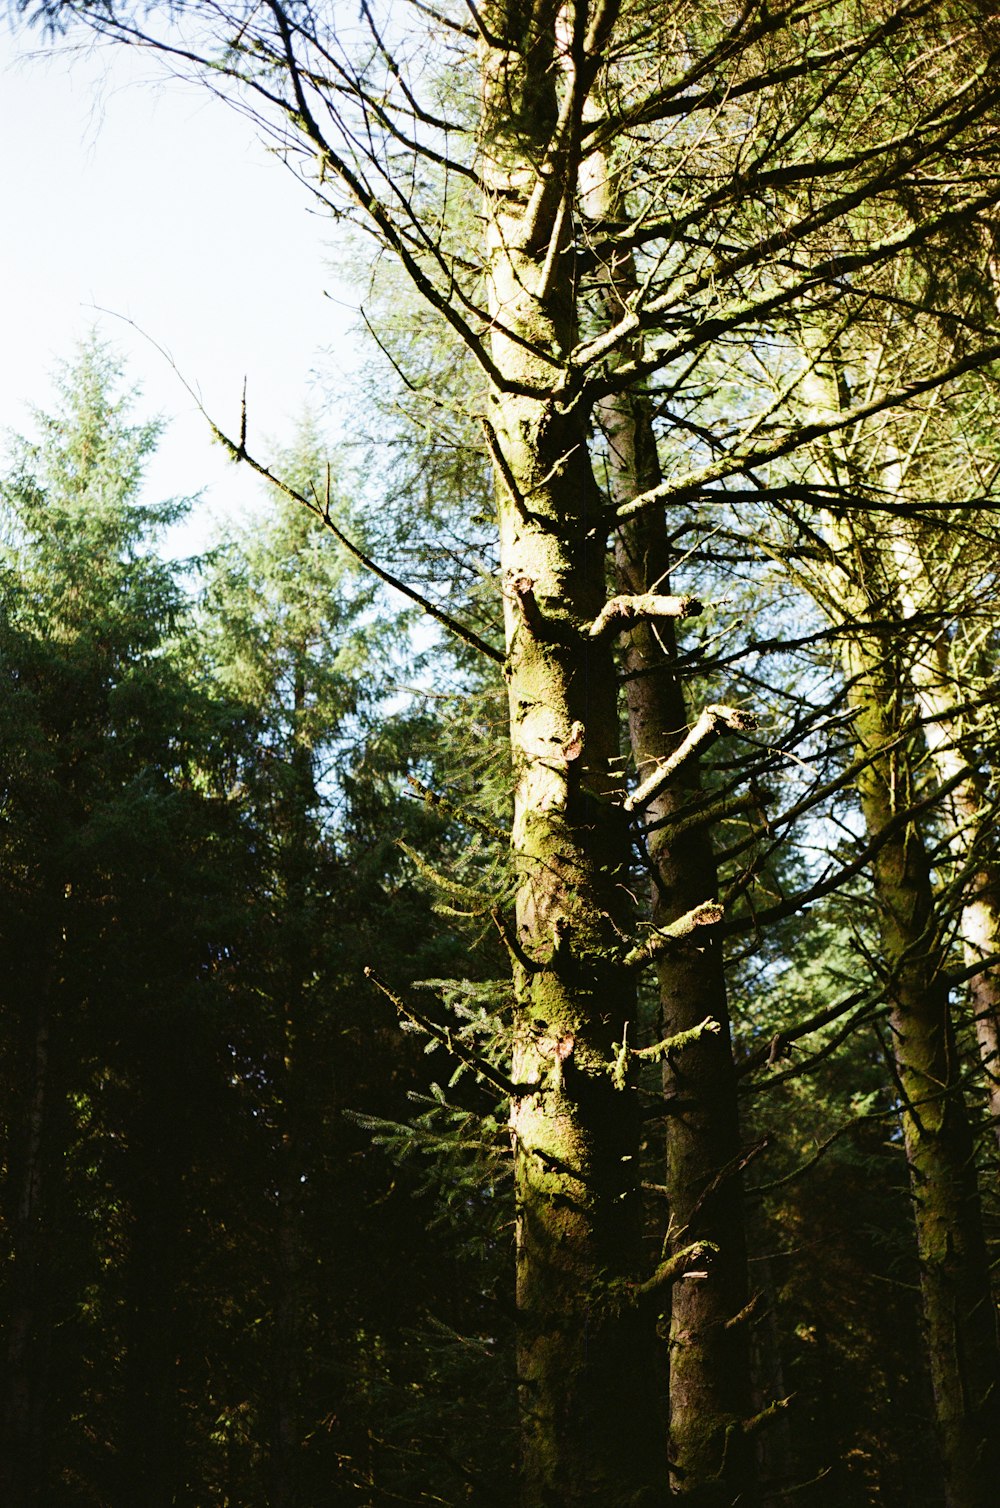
{"x": 584, "y": 1371}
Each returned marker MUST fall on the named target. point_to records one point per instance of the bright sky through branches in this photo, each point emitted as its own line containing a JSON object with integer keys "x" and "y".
{"x": 145, "y": 196}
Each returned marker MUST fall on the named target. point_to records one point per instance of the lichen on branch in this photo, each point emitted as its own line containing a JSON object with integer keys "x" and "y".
{"x": 708, "y": 914}
{"x": 713, "y": 722}
{"x": 618, "y": 614}
{"x": 657, "y": 1050}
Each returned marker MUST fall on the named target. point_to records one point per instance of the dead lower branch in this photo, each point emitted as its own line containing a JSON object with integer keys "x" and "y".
{"x": 708, "y": 914}
{"x": 713, "y": 722}
{"x": 617, "y": 615}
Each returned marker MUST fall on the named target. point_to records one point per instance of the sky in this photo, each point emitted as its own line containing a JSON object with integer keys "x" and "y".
{"x": 131, "y": 197}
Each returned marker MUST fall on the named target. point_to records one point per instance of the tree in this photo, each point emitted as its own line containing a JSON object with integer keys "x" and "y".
{"x": 728, "y": 241}
{"x": 104, "y": 740}
{"x": 200, "y": 1299}
{"x": 709, "y": 1359}
{"x": 854, "y": 575}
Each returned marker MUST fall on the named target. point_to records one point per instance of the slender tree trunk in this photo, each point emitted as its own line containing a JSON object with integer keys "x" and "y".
{"x": 979, "y": 916}
{"x": 776, "y": 1445}
{"x": 958, "y": 1309}
{"x": 151, "y": 1455}
{"x": 711, "y": 1460}
{"x": 980, "y": 926}
{"x": 587, "y": 1398}
{"x": 27, "y": 1331}
{"x": 286, "y": 1432}
{"x": 966, "y": 806}
{"x": 585, "y": 1385}
{"x": 296, "y": 829}
{"x": 709, "y": 1389}
{"x": 954, "y": 1275}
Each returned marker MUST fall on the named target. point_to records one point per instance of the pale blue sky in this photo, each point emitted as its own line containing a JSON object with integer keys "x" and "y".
{"x": 152, "y": 199}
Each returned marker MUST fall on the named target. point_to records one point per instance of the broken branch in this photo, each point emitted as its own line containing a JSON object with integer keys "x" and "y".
{"x": 621, "y": 612}
{"x": 672, "y": 1268}
{"x": 657, "y": 1050}
{"x": 708, "y": 914}
{"x": 713, "y": 722}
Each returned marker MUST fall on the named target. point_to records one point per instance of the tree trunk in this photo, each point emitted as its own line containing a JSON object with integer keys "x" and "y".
{"x": 288, "y": 1298}
{"x": 979, "y": 916}
{"x": 296, "y": 829}
{"x": 954, "y": 1274}
{"x": 965, "y": 808}
{"x": 709, "y": 1388}
{"x": 584, "y": 1365}
{"x": 585, "y": 1385}
{"x": 28, "y": 1325}
{"x": 710, "y": 1458}
{"x": 958, "y": 1310}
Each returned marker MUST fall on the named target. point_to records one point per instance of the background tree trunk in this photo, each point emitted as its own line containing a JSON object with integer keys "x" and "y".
{"x": 958, "y": 1308}
{"x": 709, "y": 1359}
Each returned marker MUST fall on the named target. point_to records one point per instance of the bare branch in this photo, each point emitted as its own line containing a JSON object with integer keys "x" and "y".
{"x": 713, "y": 722}
{"x": 620, "y": 613}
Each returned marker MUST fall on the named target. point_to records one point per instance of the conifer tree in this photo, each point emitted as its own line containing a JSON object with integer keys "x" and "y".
{"x": 103, "y": 948}
{"x": 776, "y": 156}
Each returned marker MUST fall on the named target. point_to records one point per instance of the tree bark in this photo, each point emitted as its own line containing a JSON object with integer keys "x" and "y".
{"x": 28, "y": 1324}
{"x": 965, "y": 808}
{"x": 711, "y": 1460}
{"x": 954, "y": 1274}
{"x": 295, "y": 833}
{"x": 958, "y": 1311}
{"x": 585, "y": 1379}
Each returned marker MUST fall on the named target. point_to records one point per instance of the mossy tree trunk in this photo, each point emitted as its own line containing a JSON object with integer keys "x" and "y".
{"x": 859, "y": 590}
{"x": 584, "y": 1359}
{"x": 958, "y": 1308}
{"x": 968, "y": 813}
{"x": 938, "y": 688}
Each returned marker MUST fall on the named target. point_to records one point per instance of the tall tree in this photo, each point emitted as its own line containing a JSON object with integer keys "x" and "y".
{"x": 286, "y": 630}
{"x": 854, "y": 579}
{"x": 730, "y": 238}
{"x": 709, "y": 1358}
{"x": 100, "y": 804}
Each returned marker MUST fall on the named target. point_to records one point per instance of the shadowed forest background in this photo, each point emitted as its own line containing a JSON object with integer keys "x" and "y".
{"x": 500, "y": 988}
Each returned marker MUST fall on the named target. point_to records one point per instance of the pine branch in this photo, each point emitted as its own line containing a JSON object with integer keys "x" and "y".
{"x": 322, "y": 511}
{"x": 441, "y": 803}
{"x": 448, "y": 1039}
{"x": 465, "y": 893}
{"x": 766, "y": 1415}
{"x": 780, "y": 1043}
{"x": 759, "y": 1190}
{"x": 238, "y": 452}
